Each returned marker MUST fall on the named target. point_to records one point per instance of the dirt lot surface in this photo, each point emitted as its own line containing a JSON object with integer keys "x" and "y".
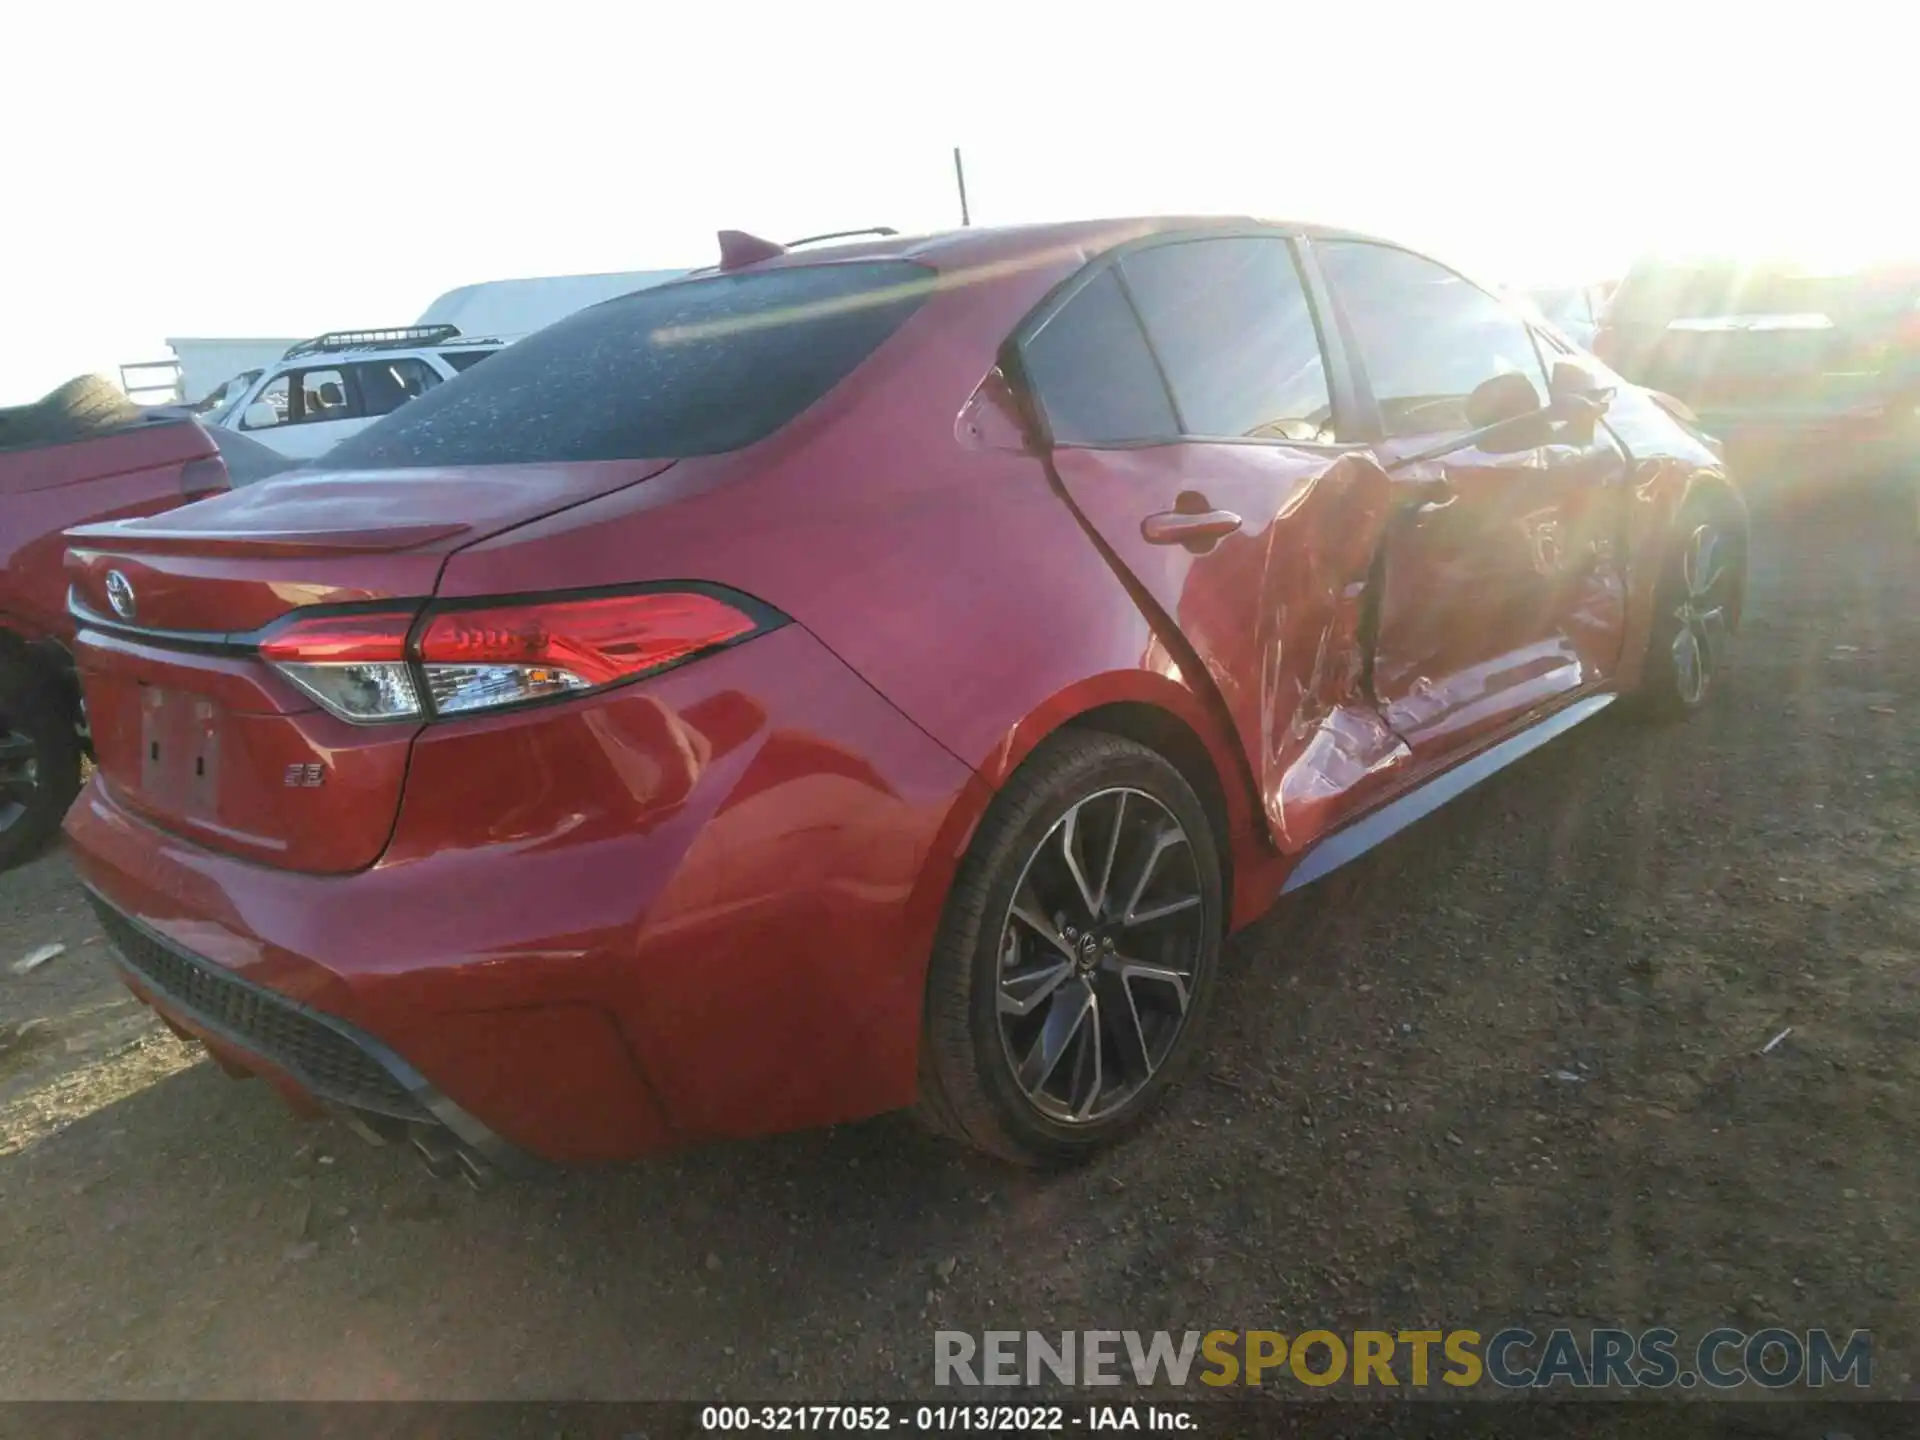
{"x": 1506, "y": 1069}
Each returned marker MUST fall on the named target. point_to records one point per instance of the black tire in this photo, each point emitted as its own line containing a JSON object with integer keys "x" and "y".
{"x": 1694, "y": 612}
{"x": 85, "y": 406}
{"x": 970, "y": 1088}
{"x": 38, "y": 720}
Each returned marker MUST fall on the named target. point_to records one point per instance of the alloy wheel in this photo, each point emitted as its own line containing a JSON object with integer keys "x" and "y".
{"x": 1706, "y": 576}
{"x": 1098, "y": 955}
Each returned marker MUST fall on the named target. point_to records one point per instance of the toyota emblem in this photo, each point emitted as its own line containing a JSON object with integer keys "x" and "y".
{"x": 120, "y": 594}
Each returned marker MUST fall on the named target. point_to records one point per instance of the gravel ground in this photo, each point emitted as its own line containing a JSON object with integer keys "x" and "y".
{"x": 1380, "y": 1140}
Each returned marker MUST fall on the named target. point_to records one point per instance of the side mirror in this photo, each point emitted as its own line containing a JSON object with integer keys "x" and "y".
{"x": 1579, "y": 399}
{"x": 1575, "y": 377}
{"x": 259, "y": 416}
{"x": 1502, "y": 399}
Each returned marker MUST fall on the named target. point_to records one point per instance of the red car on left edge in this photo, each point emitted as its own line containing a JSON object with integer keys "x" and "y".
{"x": 83, "y": 452}
{"x": 864, "y": 677}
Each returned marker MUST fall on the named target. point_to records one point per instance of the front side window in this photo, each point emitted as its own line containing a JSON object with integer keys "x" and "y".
{"x": 1093, "y": 374}
{"x": 270, "y": 407}
{"x": 1427, "y": 338}
{"x": 1230, "y": 321}
{"x": 226, "y": 393}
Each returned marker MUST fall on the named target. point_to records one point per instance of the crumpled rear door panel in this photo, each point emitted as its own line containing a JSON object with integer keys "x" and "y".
{"x": 1272, "y": 614}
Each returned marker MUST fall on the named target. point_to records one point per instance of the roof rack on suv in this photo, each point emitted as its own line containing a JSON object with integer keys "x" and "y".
{"x": 394, "y": 339}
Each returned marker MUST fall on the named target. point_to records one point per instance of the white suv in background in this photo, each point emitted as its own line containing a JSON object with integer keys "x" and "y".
{"x": 325, "y": 389}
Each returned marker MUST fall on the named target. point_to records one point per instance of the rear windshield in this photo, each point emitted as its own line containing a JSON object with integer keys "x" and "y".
{"x": 691, "y": 368}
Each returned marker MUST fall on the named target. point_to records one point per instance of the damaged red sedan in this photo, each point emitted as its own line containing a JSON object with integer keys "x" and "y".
{"x": 862, "y": 678}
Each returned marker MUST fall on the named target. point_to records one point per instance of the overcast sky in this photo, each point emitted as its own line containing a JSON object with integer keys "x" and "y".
{"x": 278, "y": 170}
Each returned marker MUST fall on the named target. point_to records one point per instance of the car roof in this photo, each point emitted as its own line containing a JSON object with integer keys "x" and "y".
{"x": 974, "y": 246}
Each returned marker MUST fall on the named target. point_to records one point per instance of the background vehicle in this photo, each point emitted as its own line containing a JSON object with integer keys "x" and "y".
{"x": 1575, "y": 309}
{"x": 337, "y": 384}
{"x": 900, "y": 706}
{"x": 85, "y": 452}
{"x": 1791, "y": 366}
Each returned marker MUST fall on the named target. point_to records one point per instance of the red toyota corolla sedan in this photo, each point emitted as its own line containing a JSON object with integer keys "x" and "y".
{"x": 862, "y": 678}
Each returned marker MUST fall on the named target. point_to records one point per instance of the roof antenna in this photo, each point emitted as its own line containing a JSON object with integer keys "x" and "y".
{"x": 960, "y": 175}
{"x": 739, "y": 249}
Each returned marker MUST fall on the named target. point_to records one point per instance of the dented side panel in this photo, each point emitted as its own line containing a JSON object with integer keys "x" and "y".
{"x": 1272, "y": 614}
{"x": 1502, "y": 588}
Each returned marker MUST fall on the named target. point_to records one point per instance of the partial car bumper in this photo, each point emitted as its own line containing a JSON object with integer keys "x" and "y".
{"x": 676, "y": 911}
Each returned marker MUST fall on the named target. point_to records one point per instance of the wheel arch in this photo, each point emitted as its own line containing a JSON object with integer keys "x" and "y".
{"x": 1714, "y": 488}
{"x": 1176, "y": 742}
{"x": 1165, "y": 715}
{"x": 1661, "y": 490}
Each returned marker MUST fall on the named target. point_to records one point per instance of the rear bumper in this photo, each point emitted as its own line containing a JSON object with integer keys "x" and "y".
{"x": 311, "y": 1057}
{"x": 669, "y": 913}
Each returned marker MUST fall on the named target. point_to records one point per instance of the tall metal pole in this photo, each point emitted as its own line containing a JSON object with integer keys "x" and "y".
{"x": 960, "y": 175}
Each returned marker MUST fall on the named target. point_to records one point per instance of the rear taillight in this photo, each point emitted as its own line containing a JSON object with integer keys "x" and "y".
{"x": 486, "y": 657}
{"x": 355, "y": 665}
{"x": 504, "y": 655}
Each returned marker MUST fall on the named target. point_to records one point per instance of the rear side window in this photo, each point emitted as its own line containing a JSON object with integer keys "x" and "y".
{"x": 464, "y": 360}
{"x": 1230, "y": 322}
{"x": 1094, "y": 376}
{"x": 694, "y": 368}
{"x": 386, "y": 385}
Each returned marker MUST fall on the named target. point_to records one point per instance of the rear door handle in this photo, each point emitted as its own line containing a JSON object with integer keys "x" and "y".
{"x": 1196, "y": 529}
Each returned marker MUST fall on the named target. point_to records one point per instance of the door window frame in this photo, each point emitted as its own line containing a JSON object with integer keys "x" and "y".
{"x": 1187, "y": 432}
{"x": 1363, "y": 382}
{"x": 1350, "y": 405}
{"x": 1014, "y": 351}
{"x": 256, "y": 393}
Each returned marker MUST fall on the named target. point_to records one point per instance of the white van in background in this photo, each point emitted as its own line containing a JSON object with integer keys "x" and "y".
{"x": 323, "y": 390}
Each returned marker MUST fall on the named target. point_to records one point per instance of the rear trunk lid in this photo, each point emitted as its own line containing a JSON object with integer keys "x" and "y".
{"x": 192, "y": 730}
{"x": 200, "y": 734}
